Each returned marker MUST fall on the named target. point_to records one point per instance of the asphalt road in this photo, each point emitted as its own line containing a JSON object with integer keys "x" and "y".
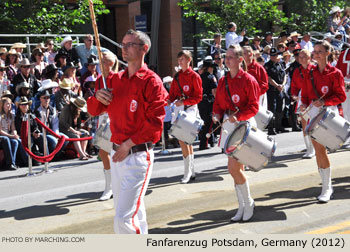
{"x": 66, "y": 200}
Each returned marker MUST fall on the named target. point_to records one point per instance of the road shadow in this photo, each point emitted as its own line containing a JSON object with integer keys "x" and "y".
{"x": 60, "y": 207}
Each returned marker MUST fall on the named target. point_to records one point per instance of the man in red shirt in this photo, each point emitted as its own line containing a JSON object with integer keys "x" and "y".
{"x": 135, "y": 105}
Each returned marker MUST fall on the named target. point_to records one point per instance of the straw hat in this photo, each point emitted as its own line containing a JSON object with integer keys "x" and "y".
{"x": 287, "y": 53}
{"x": 23, "y": 100}
{"x": 23, "y": 84}
{"x": 18, "y": 45}
{"x": 80, "y": 103}
{"x": 66, "y": 39}
{"x": 294, "y": 34}
{"x": 46, "y": 84}
{"x": 24, "y": 62}
{"x": 3, "y": 50}
{"x": 66, "y": 84}
{"x": 335, "y": 9}
{"x": 12, "y": 52}
{"x": 7, "y": 93}
{"x": 41, "y": 46}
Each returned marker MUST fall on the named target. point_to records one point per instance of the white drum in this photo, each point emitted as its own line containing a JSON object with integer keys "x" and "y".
{"x": 329, "y": 129}
{"x": 250, "y": 146}
{"x": 102, "y": 139}
{"x": 186, "y": 127}
{"x": 263, "y": 117}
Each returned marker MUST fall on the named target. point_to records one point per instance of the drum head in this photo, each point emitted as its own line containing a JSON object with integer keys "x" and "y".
{"x": 315, "y": 121}
{"x": 236, "y": 138}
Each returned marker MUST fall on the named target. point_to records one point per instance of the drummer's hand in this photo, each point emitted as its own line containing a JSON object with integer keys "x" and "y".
{"x": 294, "y": 97}
{"x": 179, "y": 103}
{"x": 123, "y": 151}
{"x": 318, "y": 103}
{"x": 279, "y": 88}
{"x": 302, "y": 108}
{"x": 232, "y": 118}
{"x": 215, "y": 118}
{"x": 104, "y": 96}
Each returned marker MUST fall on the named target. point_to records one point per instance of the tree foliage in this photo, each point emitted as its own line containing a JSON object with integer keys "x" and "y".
{"x": 247, "y": 14}
{"x": 46, "y": 16}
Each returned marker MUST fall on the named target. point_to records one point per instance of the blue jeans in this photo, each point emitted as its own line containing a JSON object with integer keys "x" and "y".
{"x": 10, "y": 149}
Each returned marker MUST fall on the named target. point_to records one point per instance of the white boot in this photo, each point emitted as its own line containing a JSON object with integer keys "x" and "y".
{"x": 248, "y": 201}
{"x": 327, "y": 190}
{"x": 193, "y": 174}
{"x": 239, "y": 213}
{"x": 107, "y": 194}
{"x": 310, "y": 151}
{"x": 187, "y": 170}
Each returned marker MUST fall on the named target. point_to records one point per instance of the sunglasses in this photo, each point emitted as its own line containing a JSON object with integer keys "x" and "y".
{"x": 217, "y": 58}
{"x": 45, "y": 97}
{"x": 25, "y": 66}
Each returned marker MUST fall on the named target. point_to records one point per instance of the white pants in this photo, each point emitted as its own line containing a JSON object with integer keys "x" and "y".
{"x": 130, "y": 179}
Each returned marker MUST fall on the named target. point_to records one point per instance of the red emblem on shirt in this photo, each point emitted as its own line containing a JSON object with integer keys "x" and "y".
{"x": 133, "y": 106}
{"x": 235, "y": 98}
{"x": 324, "y": 89}
{"x": 186, "y": 88}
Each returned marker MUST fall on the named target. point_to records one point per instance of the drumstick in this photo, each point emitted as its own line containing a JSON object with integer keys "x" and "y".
{"x": 308, "y": 108}
{"x": 172, "y": 104}
{"x": 220, "y": 125}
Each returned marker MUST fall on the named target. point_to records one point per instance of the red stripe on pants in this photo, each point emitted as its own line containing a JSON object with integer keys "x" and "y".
{"x": 139, "y": 198}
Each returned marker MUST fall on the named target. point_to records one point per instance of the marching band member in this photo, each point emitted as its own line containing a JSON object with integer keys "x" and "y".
{"x": 186, "y": 91}
{"x": 237, "y": 98}
{"x": 258, "y": 72}
{"x": 135, "y": 106}
{"x": 325, "y": 87}
{"x": 301, "y": 74}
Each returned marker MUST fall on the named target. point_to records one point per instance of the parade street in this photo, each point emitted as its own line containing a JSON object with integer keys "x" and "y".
{"x": 66, "y": 200}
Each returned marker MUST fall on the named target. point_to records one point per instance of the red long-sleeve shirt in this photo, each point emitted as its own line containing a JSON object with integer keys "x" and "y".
{"x": 191, "y": 84}
{"x": 260, "y": 74}
{"x": 137, "y": 108}
{"x": 245, "y": 92}
{"x": 330, "y": 82}
{"x": 343, "y": 63}
{"x": 299, "y": 78}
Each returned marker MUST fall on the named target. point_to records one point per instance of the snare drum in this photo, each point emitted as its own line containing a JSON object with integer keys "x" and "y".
{"x": 186, "y": 127}
{"x": 329, "y": 129}
{"x": 250, "y": 146}
{"x": 263, "y": 117}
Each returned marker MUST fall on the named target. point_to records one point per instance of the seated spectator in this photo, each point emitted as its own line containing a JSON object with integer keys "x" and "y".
{"x": 85, "y": 50}
{"x": 283, "y": 38}
{"x": 39, "y": 64}
{"x": 334, "y": 20}
{"x": 281, "y": 47}
{"x": 61, "y": 62}
{"x": 70, "y": 124}
{"x": 266, "y": 53}
{"x": 89, "y": 86}
{"x": 23, "y": 89}
{"x": 8, "y": 132}
{"x": 22, "y": 109}
{"x": 3, "y": 51}
{"x": 49, "y": 86}
{"x": 19, "y": 49}
{"x": 4, "y": 82}
{"x": 69, "y": 72}
{"x": 306, "y": 43}
{"x": 295, "y": 37}
{"x": 91, "y": 70}
{"x": 337, "y": 41}
{"x": 48, "y": 115}
{"x": 12, "y": 59}
{"x": 8, "y": 94}
{"x": 67, "y": 49}
{"x": 50, "y": 51}
{"x": 267, "y": 41}
{"x": 51, "y": 73}
{"x": 24, "y": 75}
{"x": 256, "y": 44}
{"x": 64, "y": 94}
